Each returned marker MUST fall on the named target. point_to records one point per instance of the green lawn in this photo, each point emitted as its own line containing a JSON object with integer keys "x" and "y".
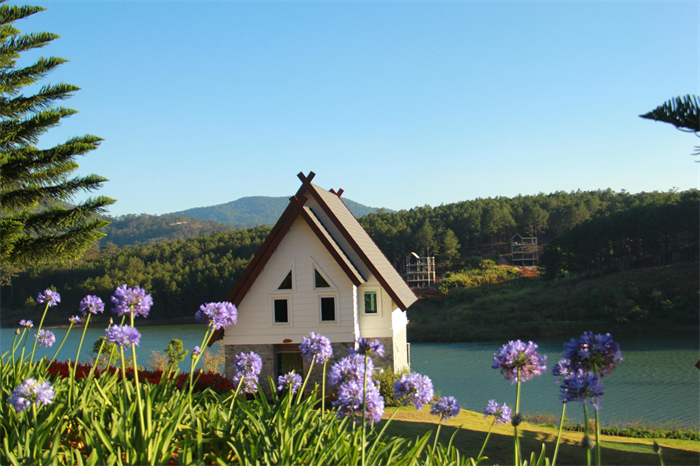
{"x": 615, "y": 450}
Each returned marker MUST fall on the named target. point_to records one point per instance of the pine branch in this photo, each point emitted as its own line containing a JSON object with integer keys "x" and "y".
{"x": 32, "y": 196}
{"x": 681, "y": 112}
{"x": 10, "y": 81}
{"x": 14, "y": 133}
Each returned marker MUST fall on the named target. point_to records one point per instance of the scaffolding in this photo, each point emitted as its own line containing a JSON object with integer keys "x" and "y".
{"x": 524, "y": 249}
{"x": 420, "y": 271}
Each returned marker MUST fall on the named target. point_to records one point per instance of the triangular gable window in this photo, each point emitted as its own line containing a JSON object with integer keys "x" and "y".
{"x": 286, "y": 283}
{"x": 319, "y": 281}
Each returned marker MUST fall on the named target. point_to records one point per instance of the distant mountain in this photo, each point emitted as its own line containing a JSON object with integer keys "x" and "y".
{"x": 146, "y": 230}
{"x": 252, "y": 211}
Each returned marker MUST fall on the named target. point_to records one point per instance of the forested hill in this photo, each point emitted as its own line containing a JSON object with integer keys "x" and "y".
{"x": 252, "y": 211}
{"x": 146, "y": 230}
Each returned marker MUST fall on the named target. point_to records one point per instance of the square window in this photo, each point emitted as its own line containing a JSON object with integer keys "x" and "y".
{"x": 370, "y": 302}
{"x": 328, "y": 309}
{"x": 281, "y": 311}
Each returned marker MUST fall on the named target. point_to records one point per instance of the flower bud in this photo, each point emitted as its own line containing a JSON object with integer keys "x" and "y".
{"x": 516, "y": 420}
{"x": 587, "y": 442}
{"x": 17, "y": 331}
{"x": 657, "y": 447}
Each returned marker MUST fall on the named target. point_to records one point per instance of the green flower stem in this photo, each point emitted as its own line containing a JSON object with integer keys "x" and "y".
{"x": 323, "y": 390}
{"x": 77, "y": 356}
{"x": 31, "y": 360}
{"x": 14, "y": 346}
{"x": 308, "y": 374}
{"x": 437, "y": 436}
{"x": 61, "y": 345}
{"x": 585, "y": 432}
{"x": 517, "y": 455}
{"x": 136, "y": 379}
{"x": 364, "y": 413}
{"x": 195, "y": 361}
{"x": 561, "y": 425}
{"x": 597, "y": 438}
{"x": 235, "y": 394}
{"x": 483, "y": 447}
{"x": 128, "y": 392}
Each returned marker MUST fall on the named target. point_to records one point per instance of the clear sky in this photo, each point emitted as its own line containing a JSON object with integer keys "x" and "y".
{"x": 401, "y": 104}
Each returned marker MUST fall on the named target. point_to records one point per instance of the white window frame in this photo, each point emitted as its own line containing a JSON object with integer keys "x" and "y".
{"x": 337, "y": 309}
{"x": 288, "y": 298}
{"x": 378, "y": 291}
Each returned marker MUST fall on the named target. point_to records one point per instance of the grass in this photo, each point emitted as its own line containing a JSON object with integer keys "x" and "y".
{"x": 409, "y": 423}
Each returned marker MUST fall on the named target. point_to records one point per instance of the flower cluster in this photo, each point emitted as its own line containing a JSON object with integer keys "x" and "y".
{"x": 131, "y": 300}
{"x": 501, "y": 412}
{"x": 92, "y": 304}
{"x": 26, "y": 323}
{"x": 30, "y": 391}
{"x": 414, "y": 389}
{"x": 595, "y": 353}
{"x": 351, "y": 395}
{"x": 290, "y": 381}
{"x": 45, "y": 338}
{"x": 247, "y": 367}
{"x": 519, "y": 361}
{"x": 446, "y": 407}
{"x": 196, "y": 351}
{"x": 350, "y": 368}
{"x": 366, "y": 347}
{"x": 583, "y": 386}
{"x": 218, "y": 315}
{"x": 122, "y": 335}
{"x": 316, "y": 345}
{"x": 74, "y": 320}
{"x": 50, "y": 297}
{"x": 561, "y": 369}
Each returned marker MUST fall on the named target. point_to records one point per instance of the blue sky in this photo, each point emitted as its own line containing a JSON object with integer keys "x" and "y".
{"x": 399, "y": 103}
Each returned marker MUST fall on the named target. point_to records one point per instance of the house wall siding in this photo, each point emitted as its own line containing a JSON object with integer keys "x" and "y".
{"x": 296, "y": 250}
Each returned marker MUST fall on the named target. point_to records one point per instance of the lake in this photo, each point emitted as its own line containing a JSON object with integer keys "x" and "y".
{"x": 657, "y": 381}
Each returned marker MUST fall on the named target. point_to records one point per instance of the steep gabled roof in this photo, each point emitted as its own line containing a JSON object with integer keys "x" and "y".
{"x": 350, "y": 229}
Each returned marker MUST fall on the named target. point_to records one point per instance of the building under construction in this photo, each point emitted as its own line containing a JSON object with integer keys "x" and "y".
{"x": 524, "y": 250}
{"x": 420, "y": 271}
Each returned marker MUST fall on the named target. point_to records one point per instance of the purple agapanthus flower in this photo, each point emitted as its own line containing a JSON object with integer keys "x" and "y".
{"x": 446, "y": 407}
{"x": 594, "y": 353}
{"x": 196, "y": 351}
{"x": 366, "y": 347}
{"x": 131, "y": 300}
{"x": 74, "y": 320}
{"x": 248, "y": 362}
{"x": 290, "y": 380}
{"x": 45, "y": 338}
{"x": 26, "y": 323}
{"x": 582, "y": 386}
{"x": 316, "y": 345}
{"x": 91, "y": 304}
{"x": 501, "y": 412}
{"x": 50, "y": 297}
{"x": 218, "y": 315}
{"x": 123, "y": 335}
{"x": 351, "y": 397}
{"x": 350, "y": 368}
{"x": 519, "y": 357}
{"x": 561, "y": 369}
{"x": 248, "y": 380}
{"x": 30, "y": 391}
{"x": 414, "y": 389}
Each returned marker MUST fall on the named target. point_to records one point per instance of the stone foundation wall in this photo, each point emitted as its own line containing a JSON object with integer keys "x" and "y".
{"x": 268, "y": 354}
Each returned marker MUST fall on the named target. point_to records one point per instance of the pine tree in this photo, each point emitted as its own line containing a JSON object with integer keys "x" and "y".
{"x": 39, "y": 220}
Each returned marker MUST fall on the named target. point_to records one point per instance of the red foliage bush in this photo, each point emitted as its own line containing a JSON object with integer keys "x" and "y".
{"x": 203, "y": 380}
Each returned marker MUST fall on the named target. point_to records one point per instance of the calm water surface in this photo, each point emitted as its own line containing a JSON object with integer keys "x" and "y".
{"x": 657, "y": 381}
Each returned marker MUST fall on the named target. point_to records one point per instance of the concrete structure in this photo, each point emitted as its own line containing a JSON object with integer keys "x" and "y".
{"x": 317, "y": 271}
{"x": 524, "y": 250}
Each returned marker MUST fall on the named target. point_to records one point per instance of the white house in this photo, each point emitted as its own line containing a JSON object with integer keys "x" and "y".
{"x": 317, "y": 271}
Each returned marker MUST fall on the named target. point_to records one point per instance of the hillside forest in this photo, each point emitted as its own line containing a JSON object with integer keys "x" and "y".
{"x": 584, "y": 233}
